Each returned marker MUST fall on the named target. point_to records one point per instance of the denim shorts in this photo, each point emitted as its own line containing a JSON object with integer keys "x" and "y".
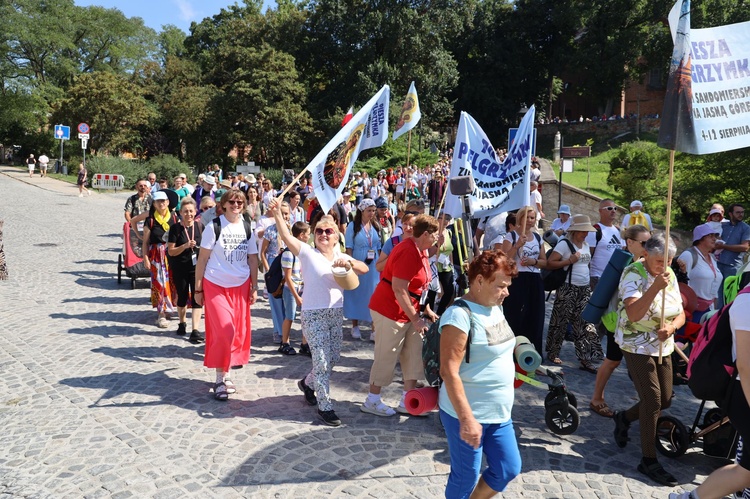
{"x": 290, "y": 305}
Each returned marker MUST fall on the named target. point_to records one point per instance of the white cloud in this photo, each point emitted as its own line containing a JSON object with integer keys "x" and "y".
{"x": 187, "y": 12}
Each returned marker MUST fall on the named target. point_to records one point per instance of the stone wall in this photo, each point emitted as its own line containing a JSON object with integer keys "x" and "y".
{"x": 600, "y": 128}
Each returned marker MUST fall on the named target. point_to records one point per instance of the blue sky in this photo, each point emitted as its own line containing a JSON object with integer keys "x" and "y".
{"x": 156, "y": 13}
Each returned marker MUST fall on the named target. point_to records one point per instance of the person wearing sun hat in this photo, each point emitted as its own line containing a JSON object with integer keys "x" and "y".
{"x": 572, "y": 252}
{"x": 154, "y": 250}
{"x": 702, "y": 268}
{"x": 562, "y": 222}
{"x": 637, "y": 216}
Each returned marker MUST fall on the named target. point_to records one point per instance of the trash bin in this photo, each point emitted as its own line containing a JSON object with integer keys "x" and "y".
{"x": 64, "y": 169}
{"x": 57, "y": 166}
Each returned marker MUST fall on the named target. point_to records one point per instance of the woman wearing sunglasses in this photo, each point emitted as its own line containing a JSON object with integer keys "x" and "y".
{"x": 322, "y": 306}
{"x": 226, "y": 284}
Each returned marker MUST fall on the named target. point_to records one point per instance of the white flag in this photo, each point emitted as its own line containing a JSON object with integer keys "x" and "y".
{"x": 410, "y": 113}
{"x": 498, "y": 187}
{"x": 333, "y": 164}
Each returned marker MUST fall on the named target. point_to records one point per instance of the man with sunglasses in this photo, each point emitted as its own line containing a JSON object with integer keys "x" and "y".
{"x": 604, "y": 241}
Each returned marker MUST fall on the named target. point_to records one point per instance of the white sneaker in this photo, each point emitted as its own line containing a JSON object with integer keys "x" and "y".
{"x": 379, "y": 409}
{"x": 80, "y": 195}
{"x": 355, "y": 333}
{"x": 162, "y": 322}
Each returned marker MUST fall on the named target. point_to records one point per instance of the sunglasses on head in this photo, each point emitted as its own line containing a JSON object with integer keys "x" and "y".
{"x": 409, "y": 212}
{"x": 328, "y": 232}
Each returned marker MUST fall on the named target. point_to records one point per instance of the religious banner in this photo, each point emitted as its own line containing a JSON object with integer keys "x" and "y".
{"x": 333, "y": 164}
{"x": 707, "y": 106}
{"x": 499, "y": 186}
{"x": 410, "y": 113}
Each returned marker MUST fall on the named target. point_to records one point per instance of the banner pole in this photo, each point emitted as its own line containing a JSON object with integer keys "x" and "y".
{"x": 280, "y": 197}
{"x": 666, "y": 243}
{"x": 440, "y": 206}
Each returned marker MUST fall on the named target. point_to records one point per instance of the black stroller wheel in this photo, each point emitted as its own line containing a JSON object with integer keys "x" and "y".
{"x": 551, "y": 396}
{"x": 562, "y": 419}
{"x": 712, "y": 416}
{"x": 672, "y": 437}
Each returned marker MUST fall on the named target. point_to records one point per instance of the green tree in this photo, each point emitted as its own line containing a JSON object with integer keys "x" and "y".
{"x": 113, "y": 106}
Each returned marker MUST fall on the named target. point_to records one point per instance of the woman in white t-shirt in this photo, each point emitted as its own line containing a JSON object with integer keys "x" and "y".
{"x": 571, "y": 297}
{"x": 525, "y": 305}
{"x": 322, "y": 306}
{"x": 701, "y": 268}
{"x": 226, "y": 283}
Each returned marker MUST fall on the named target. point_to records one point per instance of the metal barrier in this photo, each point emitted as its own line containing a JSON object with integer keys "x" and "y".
{"x": 107, "y": 181}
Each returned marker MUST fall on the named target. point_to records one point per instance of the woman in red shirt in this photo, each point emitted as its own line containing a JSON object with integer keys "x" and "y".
{"x": 396, "y": 317}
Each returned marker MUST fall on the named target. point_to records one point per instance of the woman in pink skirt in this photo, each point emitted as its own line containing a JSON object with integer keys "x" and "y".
{"x": 226, "y": 282}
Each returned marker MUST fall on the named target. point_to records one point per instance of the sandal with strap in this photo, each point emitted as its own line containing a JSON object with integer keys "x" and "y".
{"x": 657, "y": 473}
{"x": 231, "y": 388}
{"x": 602, "y": 409}
{"x": 555, "y": 360}
{"x": 220, "y": 392}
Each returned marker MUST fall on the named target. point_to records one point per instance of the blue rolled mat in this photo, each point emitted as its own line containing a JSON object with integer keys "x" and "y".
{"x": 607, "y": 286}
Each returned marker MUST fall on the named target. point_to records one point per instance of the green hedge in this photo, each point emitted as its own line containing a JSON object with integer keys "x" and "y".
{"x": 165, "y": 166}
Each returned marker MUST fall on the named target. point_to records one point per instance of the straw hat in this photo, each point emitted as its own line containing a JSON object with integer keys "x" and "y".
{"x": 347, "y": 279}
{"x": 581, "y": 223}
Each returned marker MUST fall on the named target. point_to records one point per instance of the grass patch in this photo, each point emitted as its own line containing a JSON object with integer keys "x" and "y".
{"x": 590, "y": 174}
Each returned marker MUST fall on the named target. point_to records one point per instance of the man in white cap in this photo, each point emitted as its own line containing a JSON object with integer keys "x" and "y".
{"x": 206, "y": 188}
{"x": 187, "y": 185}
{"x": 637, "y": 216}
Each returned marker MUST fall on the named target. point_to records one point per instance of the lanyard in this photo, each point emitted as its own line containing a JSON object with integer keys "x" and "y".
{"x": 708, "y": 261}
{"x": 368, "y": 235}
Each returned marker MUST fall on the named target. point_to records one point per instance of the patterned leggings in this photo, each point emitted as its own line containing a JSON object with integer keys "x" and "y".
{"x": 323, "y": 330}
{"x": 568, "y": 307}
{"x": 653, "y": 382}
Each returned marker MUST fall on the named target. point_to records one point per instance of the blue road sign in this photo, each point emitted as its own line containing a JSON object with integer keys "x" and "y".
{"x": 62, "y": 132}
{"x": 512, "y": 136}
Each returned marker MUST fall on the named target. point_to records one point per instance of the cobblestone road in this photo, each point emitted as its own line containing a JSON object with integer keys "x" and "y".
{"x": 96, "y": 401}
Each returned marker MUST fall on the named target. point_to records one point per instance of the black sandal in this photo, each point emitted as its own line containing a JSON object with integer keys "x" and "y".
{"x": 657, "y": 473}
{"x": 287, "y": 349}
{"x": 220, "y": 392}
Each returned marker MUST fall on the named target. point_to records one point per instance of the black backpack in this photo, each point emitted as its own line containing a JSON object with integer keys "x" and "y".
{"x": 275, "y": 276}
{"x": 217, "y": 228}
{"x": 431, "y": 348}
{"x": 553, "y": 279}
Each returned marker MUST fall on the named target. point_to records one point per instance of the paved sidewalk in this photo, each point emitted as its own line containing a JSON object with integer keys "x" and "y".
{"x": 96, "y": 401}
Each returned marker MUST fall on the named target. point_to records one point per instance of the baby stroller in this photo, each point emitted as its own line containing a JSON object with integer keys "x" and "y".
{"x": 560, "y": 406}
{"x": 718, "y": 436}
{"x": 131, "y": 258}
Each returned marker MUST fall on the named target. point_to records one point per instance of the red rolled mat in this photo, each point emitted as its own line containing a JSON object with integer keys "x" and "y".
{"x": 421, "y": 400}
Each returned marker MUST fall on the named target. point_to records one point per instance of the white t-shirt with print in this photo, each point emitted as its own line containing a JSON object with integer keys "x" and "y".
{"x": 580, "y": 273}
{"x": 530, "y": 249}
{"x": 610, "y": 241}
{"x": 227, "y": 266}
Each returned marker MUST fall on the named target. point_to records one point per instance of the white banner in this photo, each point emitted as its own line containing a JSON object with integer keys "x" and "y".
{"x": 333, "y": 164}
{"x": 410, "y": 113}
{"x": 720, "y": 67}
{"x": 499, "y": 187}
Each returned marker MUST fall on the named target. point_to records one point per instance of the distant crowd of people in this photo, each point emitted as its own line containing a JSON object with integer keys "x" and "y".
{"x": 387, "y": 259}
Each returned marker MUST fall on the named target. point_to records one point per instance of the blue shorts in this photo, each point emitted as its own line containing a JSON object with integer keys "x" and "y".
{"x": 498, "y": 445}
{"x": 290, "y": 305}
